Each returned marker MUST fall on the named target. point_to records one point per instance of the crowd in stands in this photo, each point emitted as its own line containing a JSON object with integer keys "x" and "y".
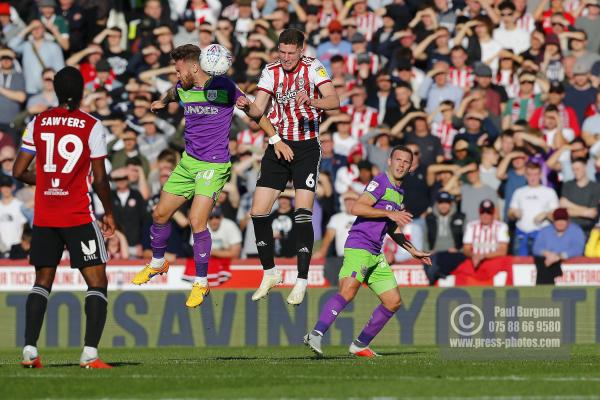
{"x": 498, "y": 100}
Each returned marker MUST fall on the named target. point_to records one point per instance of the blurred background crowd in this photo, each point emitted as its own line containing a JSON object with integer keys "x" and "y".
{"x": 498, "y": 100}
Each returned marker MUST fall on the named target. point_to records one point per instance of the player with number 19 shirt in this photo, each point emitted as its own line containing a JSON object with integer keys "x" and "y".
{"x": 300, "y": 90}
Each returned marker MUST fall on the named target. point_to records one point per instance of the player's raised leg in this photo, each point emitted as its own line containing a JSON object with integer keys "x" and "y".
{"x": 96, "y": 305}
{"x": 383, "y": 283}
{"x": 305, "y": 238}
{"x": 201, "y": 208}
{"x": 331, "y": 309}
{"x": 35, "y": 309}
{"x": 262, "y": 203}
{"x": 160, "y": 232}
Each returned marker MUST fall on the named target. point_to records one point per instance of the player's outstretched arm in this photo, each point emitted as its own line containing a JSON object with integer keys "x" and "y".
{"x": 398, "y": 237}
{"x": 169, "y": 96}
{"x": 364, "y": 208}
{"x": 254, "y": 109}
{"x": 21, "y": 168}
{"x": 102, "y": 189}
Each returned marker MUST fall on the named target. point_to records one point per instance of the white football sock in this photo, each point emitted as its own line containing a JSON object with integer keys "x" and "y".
{"x": 201, "y": 280}
{"x": 157, "y": 263}
{"x": 272, "y": 271}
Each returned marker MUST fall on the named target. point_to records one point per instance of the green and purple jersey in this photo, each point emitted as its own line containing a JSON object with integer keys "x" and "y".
{"x": 208, "y": 114}
{"x": 368, "y": 233}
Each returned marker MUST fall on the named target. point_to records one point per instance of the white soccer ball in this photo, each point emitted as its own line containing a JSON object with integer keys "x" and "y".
{"x": 215, "y": 59}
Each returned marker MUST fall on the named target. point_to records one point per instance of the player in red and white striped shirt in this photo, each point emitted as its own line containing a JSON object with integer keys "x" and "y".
{"x": 302, "y": 90}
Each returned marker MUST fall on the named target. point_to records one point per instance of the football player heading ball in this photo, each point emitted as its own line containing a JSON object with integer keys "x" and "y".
{"x": 301, "y": 90}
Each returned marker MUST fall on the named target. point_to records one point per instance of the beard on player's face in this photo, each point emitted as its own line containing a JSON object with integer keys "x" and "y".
{"x": 187, "y": 81}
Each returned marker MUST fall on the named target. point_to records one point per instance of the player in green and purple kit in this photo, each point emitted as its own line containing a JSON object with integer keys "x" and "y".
{"x": 208, "y": 104}
{"x": 379, "y": 211}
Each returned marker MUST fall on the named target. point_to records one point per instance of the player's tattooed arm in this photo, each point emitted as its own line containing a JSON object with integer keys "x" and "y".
{"x": 168, "y": 97}
{"x": 400, "y": 238}
{"x": 21, "y": 169}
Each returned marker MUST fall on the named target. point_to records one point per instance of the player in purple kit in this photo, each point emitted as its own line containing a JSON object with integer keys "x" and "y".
{"x": 208, "y": 104}
{"x": 379, "y": 212}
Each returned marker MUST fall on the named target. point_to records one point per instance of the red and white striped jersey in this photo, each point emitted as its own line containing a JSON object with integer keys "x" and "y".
{"x": 64, "y": 143}
{"x": 352, "y": 64}
{"x": 249, "y": 138}
{"x": 295, "y": 122}
{"x": 509, "y": 80}
{"x": 485, "y": 238}
{"x": 526, "y": 22}
{"x": 462, "y": 78}
{"x": 368, "y": 23}
{"x": 362, "y": 121}
{"x": 446, "y": 132}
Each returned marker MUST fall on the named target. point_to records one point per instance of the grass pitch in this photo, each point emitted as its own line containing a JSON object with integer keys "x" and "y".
{"x": 292, "y": 372}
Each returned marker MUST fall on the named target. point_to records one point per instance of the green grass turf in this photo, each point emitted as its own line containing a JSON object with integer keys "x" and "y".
{"x": 292, "y": 372}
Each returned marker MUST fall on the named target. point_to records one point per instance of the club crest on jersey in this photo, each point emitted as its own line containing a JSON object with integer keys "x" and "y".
{"x": 300, "y": 81}
{"x": 211, "y": 95}
{"x": 321, "y": 71}
{"x": 372, "y": 186}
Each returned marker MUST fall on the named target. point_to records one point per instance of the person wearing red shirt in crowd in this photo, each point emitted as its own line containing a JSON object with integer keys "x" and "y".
{"x": 485, "y": 244}
{"x": 568, "y": 116}
{"x": 556, "y": 8}
{"x": 68, "y": 144}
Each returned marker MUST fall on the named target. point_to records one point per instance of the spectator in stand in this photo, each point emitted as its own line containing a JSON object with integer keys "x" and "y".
{"x": 473, "y": 192}
{"x": 531, "y": 206}
{"x": 336, "y": 45}
{"x": 581, "y": 94}
{"x": 382, "y": 97}
{"x": 343, "y": 139}
{"x": 11, "y": 217}
{"x": 430, "y": 146}
{"x": 485, "y": 245}
{"x": 12, "y": 88}
{"x": 415, "y": 183}
{"x": 226, "y": 246}
{"x": 284, "y": 235}
{"x": 377, "y": 145}
{"x": 590, "y": 130}
{"x": 554, "y": 244}
{"x": 494, "y": 97}
{"x": 46, "y": 98}
{"x": 590, "y": 24}
{"x": 330, "y": 160}
{"x": 509, "y": 34}
{"x": 561, "y": 160}
{"x": 129, "y": 210}
{"x": 581, "y": 197}
{"x": 555, "y": 133}
{"x": 444, "y": 235}
{"x": 568, "y": 117}
{"x": 10, "y": 25}
{"x": 436, "y": 88}
{"x": 363, "y": 116}
{"x": 337, "y": 231}
{"x": 20, "y": 251}
{"x": 128, "y": 151}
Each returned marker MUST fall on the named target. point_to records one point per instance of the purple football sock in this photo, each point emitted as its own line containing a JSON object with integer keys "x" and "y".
{"x": 379, "y": 318}
{"x": 330, "y": 311}
{"x": 159, "y": 235}
{"x": 202, "y": 245}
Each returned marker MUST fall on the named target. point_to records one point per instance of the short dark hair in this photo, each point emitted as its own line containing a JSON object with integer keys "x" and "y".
{"x": 579, "y": 160}
{"x": 507, "y": 5}
{"x": 551, "y": 108}
{"x": 186, "y": 52}
{"x": 291, "y": 36}
{"x": 339, "y": 58}
{"x": 402, "y": 148}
